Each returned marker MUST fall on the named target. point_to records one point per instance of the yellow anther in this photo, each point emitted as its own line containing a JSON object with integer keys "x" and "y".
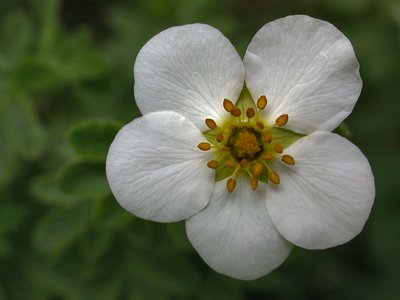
{"x": 258, "y": 168}
{"x": 213, "y": 164}
{"x": 282, "y": 120}
{"x": 288, "y": 159}
{"x": 230, "y": 185}
{"x": 226, "y": 149}
{"x": 267, "y": 156}
{"x": 243, "y": 163}
{"x": 250, "y": 112}
{"x": 230, "y": 163}
{"x": 228, "y": 105}
{"x": 260, "y": 125}
{"x": 211, "y": 123}
{"x": 220, "y": 138}
{"x": 267, "y": 138}
{"x": 262, "y": 102}
{"x": 236, "y": 112}
{"x": 204, "y": 146}
{"x": 254, "y": 183}
{"x": 278, "y": 148}
{"x": 274, "y": 177}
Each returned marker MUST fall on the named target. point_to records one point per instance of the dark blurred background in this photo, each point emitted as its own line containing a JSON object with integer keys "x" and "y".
{"x": 65, "y": 90}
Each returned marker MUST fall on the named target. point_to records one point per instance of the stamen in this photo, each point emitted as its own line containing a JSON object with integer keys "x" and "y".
{"x": 204, "y": 146}
{"x": 236, "y": 112}
{"x": 228, "y": 105}
{"x": 274, "y": 177}
{"x": 282, "y": 120}
{"x": 211, "y": 123}
{"x": 254, "y": 183}
{"x": 230, "y": 163}
{"x": 243, "y": 163}
{"x": 262, "y": 102}
{"x": 213, "y": 164}
{"x": 267, "y": 156}
{"x": 220, "y": 138}
{"x": 250, "y": 112}
{"x": 278, "y": 148}
{"x": 260, "y": 125}
{"x": 226, "y": 149}
{"x": 288, "y": 159}
{"x": 258, "y": 168}
{"x": 230, "y": 185}
{"x": 267, "y": 138}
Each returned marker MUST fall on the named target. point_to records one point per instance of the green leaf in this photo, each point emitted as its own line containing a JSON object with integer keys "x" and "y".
{"x": 92, "y": 138}
{"x": 108, "y": 214}
{"x": 15, "y": 36}
{"x": 36, "y": 73}
{"x": 20, "y": 133}
{"x": 50, "y": 280}
{"x": 45, "y": 189}
{"x": 11, "y": 216}
{"x": 84, "y": 178}
{"x": 19, "y": 127}
{"x": 95, "y": 244}
{"x": 61, "y": 227}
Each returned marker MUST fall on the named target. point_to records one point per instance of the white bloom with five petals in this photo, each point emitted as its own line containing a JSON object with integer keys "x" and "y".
{"x": 246, "y": 226}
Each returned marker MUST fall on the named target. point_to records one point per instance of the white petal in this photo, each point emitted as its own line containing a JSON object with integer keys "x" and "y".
{"x": 155, "y": 169}
{"x": 307, "y": 69}
{"x": 234, "y": 234}
{"x": 325, "y": 199}
{"x": 188, "y": 69}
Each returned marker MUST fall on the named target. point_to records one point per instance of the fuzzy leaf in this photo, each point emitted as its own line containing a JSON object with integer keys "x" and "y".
{"x": 84, "y": 178}
{"x": 61, "y": 227}
{"x": 92, "y": 138}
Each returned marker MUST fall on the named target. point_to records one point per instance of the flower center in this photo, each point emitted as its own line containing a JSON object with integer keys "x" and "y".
{"x": 246, "y": 144}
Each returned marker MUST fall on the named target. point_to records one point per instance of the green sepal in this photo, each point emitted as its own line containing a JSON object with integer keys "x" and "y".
{"x": 284, "y": 137}
{"x": 245, "y": 100}
{"x": 223, "y": 171}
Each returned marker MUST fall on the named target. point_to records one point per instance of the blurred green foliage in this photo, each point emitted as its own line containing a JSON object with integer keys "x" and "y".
{"x": 66, "y": 89}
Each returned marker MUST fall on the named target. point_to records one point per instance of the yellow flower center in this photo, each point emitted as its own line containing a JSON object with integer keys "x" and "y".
{"x": 245, "y": 144}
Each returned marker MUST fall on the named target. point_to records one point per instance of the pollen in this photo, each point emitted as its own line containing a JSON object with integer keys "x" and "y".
{"x": 267, "y": 156}
{"x": 220, "y": 138}
{"x": 267, "y": 138}
{"x": 262, "y": 102}
{"x": 204, "y": 146}
{"x": 211, "y": 123}
{"x": 230, "y": 163}
{"x": 258, "y": 168}
{"x": 230, "y": 185}
{"x": 274, "y": 177}
{"x": 288, "y": 159}
{"x": 228, "y": 105}
{"x": 254, "y": 183}
{"x": 282, "y": 120}
{"x": 278, "y": 148}
{"x": 250, "y": 112}
{"x": 236, "y": 112}
{"x": 213, "y": 164}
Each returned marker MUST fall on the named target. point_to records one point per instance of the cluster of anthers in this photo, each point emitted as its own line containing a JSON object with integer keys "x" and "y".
{"x": 244, "y": 144}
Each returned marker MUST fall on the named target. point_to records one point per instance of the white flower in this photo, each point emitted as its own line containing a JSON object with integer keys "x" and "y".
{"x": 281, "y": 177}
